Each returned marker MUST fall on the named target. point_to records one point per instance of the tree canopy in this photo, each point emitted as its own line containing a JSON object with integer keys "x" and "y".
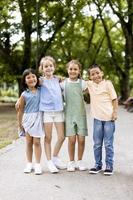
{"x": 95, "y": 31}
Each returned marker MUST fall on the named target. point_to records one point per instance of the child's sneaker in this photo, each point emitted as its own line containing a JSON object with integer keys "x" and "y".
{"x": 52, "y": 168}
{"x": 38, "y": 169}
{"x": 28, "y": 168}
{"x": 81, "y": 165}
{"x": 71, "y": 166}
{"x": 58, "y": 163}
{"x": 95, "y": 170}
{"x": 108, "y": 172}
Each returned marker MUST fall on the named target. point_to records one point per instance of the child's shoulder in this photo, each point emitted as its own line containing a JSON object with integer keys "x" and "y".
{"x": 59, "y": 78}
{"x": 108, "y": 82}
{"x": 89, "y": 82}
{"x": 24, "y": 93}
{"x": 109, "y": 85}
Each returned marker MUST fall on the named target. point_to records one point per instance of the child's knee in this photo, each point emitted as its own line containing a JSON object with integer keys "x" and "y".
{"x": 61, "y": 139}
{"x": 72, "y": 141}
{"x": 37, "y": 142}
{"x": 81, "y": 142}
{"x": 47, "y": 139}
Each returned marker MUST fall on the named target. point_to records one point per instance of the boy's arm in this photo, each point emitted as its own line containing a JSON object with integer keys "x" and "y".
{"x": 20, "y": 112}
{"x": 115, "y": 108}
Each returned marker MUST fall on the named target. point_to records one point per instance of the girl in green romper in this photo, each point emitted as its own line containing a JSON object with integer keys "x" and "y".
{"x": 75, "y": 114}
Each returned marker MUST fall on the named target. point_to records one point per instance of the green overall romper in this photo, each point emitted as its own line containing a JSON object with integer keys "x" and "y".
{"x": 75, "y": 113}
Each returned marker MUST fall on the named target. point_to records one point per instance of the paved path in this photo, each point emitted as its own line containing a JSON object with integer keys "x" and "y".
{"x": 15, "y": 185}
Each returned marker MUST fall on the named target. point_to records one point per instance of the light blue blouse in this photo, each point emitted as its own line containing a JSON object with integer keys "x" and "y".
{"x": 51, "y": 96}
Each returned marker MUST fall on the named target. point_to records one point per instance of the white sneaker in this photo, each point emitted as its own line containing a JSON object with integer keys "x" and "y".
{"x": 38, "y": 169}
{"x": 81, "y": 165}
{"x": 28, "y": 168}
{"x": 71, "y": 166}
{"x": 58, "y": 163}
{"x": 52, "y": 168}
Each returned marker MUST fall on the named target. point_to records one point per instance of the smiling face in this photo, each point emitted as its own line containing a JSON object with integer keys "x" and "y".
{"x": 48, "y": 68}
{"x": 96, "y": 75}
{"x": 73, "y": 71}
{"x": 31, "y": 80}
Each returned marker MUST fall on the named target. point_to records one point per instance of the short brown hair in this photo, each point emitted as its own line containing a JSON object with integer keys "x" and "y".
{"x": 94, "y": 66}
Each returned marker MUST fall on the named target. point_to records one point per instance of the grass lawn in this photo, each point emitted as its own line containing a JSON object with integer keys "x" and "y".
{"x": 8, "y": 124}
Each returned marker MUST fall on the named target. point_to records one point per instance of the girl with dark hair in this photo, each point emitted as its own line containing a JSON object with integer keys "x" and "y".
{"x": 30, "y": 119}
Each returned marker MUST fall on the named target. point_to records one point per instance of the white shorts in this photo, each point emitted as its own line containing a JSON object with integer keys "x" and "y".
{"x": 53, "y": 116}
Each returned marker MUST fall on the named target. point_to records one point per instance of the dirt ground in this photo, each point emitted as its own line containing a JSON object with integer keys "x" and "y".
{"x": 8, "y": 124}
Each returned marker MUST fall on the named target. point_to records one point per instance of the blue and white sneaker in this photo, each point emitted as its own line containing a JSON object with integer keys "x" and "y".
{"x": 95, "y": 170}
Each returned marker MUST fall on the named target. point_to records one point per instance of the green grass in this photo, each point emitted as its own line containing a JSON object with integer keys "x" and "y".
{"x": 8, "y": 124}
{"x": 4, "y": 143}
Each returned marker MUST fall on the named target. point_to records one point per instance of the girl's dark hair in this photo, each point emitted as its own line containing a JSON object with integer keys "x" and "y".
{"x": 94, "y": 66}
{"x": 25, "y": 73}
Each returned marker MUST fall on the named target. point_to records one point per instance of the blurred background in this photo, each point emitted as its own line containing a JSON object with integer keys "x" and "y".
{"x": 95, "y": 31}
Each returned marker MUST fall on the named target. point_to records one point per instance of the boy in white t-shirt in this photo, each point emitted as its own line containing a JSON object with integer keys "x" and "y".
{"x": 104, "y": 104}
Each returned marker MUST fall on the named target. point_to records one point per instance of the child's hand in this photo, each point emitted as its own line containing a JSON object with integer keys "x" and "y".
{"x": 114, "y": 116}
{"x": 20, "y": 127}
{"x": 21, "y": 132}
{"x": 17, "y": 105}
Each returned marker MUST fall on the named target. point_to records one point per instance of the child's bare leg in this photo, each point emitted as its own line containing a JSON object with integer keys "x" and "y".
{"x": 48, "y": 138}
{"x": 81, "y": 146}
{"x": 47, "y": 145}
{"x": 71, "y": 147}
{"x": 29, "y": 147}
{"x": 37, "y": 149}
{"x": 60, "y": 137}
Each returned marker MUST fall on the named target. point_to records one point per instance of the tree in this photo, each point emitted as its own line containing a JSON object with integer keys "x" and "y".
{"x": 124, "y": 11}
{"x": 68, "y": 29}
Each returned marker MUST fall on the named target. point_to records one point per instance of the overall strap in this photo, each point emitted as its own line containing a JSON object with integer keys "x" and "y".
{"x": 65, "y": 83}
{"x": 64, "y": 92}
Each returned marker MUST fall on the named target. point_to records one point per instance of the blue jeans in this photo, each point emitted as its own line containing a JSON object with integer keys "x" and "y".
{"x": 103, "y": 131}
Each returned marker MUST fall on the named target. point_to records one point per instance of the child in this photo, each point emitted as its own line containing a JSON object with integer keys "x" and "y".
{"x": 30, "y": 119}
{"x": 75, "y": 114}
{"x": 104, "y": 103}
{"x": 51, "y": 104}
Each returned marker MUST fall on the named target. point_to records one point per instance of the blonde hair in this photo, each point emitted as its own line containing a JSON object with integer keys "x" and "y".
{"x": 46, "y": 58}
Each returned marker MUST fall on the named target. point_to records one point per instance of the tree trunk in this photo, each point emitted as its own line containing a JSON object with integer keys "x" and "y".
{"x": 27, "y": 49}
{"x": 124, "y": 86}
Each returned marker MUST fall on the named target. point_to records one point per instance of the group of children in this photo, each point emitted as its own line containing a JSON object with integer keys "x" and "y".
{"x": 41, "y": 105}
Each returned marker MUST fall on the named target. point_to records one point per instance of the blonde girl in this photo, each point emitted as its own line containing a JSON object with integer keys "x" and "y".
{"x": 51, "y": 104}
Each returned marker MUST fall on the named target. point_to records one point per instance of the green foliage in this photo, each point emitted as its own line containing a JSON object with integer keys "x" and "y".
{"x": 66, "y": 30}
{"x": 4, "y": 143}
{"x": 9, "y": 93}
